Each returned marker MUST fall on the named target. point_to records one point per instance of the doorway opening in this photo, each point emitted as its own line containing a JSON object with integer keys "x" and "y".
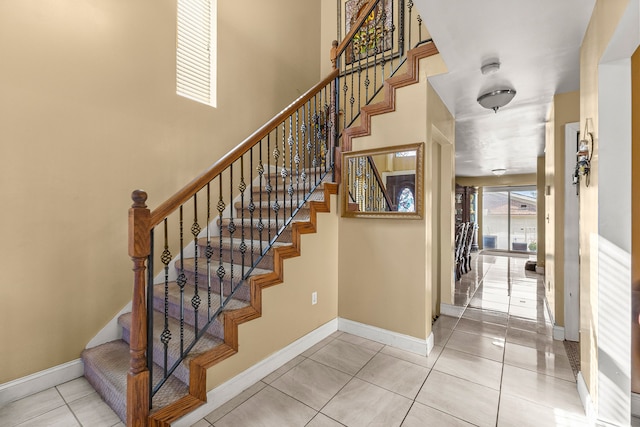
{"x": 509, "y": 219}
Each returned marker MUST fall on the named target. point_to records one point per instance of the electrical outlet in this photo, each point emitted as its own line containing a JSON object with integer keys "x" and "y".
{"x": 314, "y": 298}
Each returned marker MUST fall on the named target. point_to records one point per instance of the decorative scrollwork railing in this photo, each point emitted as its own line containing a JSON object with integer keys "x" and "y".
{"x": 193, "y": 254}
{"x": 367, "y": 190}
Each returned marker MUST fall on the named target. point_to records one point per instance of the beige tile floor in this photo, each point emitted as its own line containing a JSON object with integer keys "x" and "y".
{"x": 495, "y": 366}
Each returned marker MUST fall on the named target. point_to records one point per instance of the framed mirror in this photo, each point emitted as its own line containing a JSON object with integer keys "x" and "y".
{"x": 383, "y": 182}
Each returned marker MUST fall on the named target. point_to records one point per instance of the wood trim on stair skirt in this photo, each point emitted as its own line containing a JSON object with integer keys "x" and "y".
{"x": 40, "y": 381}
{"x": 236, "y": 385}
{"x": 394, "y": 339}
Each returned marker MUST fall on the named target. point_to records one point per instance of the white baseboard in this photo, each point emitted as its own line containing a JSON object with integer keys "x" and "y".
{"x": 585, "y": 398}
{"x": 451, "y": 310}
{"x": 394, "y": 339}
{"x": 40, "y": 381}
{"x": 236, "y": 385}
{"x": 635, "y": 404}
{"x": 558, "y": 333}
{"x": 111, "y": 332}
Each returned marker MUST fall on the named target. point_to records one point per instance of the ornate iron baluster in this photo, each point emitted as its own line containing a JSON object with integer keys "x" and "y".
{"x": 165, "y": 336}
{"x": 409, "y": 7}
{"x": 401, "y": 29}
{"x": 209, "y": 251}
{"x": 290, "y": 141}
{"x": 251, "y": 205}
{"x": 195, "y": 230}
{"x": 220, "y": 271}
{"x": 182, "y": 281}
{"x": 297, "y": 156}
{"x": 242, "y": 186}
{"x": 231, "y": 228}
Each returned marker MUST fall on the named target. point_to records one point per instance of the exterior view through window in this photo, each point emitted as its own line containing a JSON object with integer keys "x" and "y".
{"x": 509, "y": 219}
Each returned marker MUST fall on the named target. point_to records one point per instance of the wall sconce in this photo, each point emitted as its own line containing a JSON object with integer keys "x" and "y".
{"x": 585, "y": 150}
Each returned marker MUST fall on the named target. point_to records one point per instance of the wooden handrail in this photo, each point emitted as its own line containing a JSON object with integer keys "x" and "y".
{"x": 179, "y": 198}
{"x": 335, "y": 53}
{"x": 379, "y": 179}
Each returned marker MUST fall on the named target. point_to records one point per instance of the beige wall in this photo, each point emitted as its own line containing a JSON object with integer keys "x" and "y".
{"x": 287, "y": 311}
{"x": 89, "y": 113}
{"x": 635, "y": 223}
{"x": 542, "y": 223}
{"x": 566, "y": 109}
{"x": 605, "y": 18}
{"x": 385, "y": 265}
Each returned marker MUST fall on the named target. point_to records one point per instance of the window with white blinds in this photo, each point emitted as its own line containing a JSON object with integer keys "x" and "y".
{"x": 195, "y": 56}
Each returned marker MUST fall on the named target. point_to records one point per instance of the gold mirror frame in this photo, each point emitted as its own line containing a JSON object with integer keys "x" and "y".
{"x": 352, "y": 209}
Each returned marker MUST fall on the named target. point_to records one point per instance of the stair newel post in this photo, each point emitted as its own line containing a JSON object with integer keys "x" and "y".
{"x": 138, "y": 376}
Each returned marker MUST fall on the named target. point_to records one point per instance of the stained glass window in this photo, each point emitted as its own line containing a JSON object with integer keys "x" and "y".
{"x": 406, "y": 202}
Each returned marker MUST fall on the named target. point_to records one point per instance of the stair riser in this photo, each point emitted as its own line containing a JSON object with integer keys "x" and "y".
{"x": 283, "y": 212}
{"x": 235, "y": 256}
{"x": 216, "y": 329}
{"x": 105, "y": 389}
{"x": 181, "y": 372}
{"x": 242, "y": 293}
{"x": 256, "y": 235}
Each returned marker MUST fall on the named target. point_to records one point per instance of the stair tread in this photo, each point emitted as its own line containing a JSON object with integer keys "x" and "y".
{"x": 227, "y": 242}
{"x": 282, "y": 201}
{"x": 205, "y": 343}
{"x": 110, "y": 362}
{"x": 189, "y": 292}
{"x": 189, "y": 264}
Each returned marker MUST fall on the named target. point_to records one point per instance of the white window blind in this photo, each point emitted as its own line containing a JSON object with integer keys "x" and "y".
{"x": 195, "y": 56}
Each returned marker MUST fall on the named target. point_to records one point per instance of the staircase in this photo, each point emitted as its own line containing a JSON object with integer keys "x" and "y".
{"x": 202, "y": 258}
{"x": 106, "y": 365}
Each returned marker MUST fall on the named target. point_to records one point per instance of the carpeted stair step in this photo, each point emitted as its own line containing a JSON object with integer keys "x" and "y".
{"x": 270, "y": 227}
{"x": 106, "y": 367}
{"x": 231, "y": 250}
{"x": 173, "y": 307}
{"x": 286, "y": 205}
{"x": 242, "y": 291}
{"x": 256, "y": 191}
{"x": 205, "y": 343}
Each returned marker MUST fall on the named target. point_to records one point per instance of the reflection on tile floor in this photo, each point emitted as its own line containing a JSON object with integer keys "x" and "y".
{"x": 495, "y": 366}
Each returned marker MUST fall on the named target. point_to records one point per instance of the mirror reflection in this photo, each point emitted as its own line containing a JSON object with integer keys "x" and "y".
{"x": 383, "y": 182}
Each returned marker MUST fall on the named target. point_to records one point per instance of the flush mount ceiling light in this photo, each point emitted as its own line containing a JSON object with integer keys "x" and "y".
{"x": 490, "y": 67}
{"x": 496, "y": 99}
{"x": 498, "y": 172}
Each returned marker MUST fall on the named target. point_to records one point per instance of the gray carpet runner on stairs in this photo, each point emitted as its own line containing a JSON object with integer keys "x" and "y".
{"x": 106, "y": 365}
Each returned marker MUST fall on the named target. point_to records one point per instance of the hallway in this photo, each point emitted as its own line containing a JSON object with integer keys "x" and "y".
{"x": 496, "y": 365}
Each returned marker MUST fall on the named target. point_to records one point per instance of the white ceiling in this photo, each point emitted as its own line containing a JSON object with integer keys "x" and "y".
{"x": 538, "y": 46}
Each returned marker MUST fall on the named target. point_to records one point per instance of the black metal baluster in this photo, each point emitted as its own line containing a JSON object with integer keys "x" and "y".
{"x": 367, "y": 82}
{"x": 307, "y": 156}
{"x": 276, "y": 206}
{"x": 352, "y": 99}
{"x": 220, "y": 272}
{"x": 251, "y": 205}
{"x": 195, "y": 230}
{"x": 260, "y": 169}
{"x": 182, "y": 281}
{"x": 231, "y": 228}
{"x": 401, "y": 29}
{"x": 325, "y": 134}
{"x": 297, "y": 157}
{"x": 290, "y": 187}
{"x": 242, "y": 186}
{"x": 419, "y": 28}
{"x": 268, "y": 187}
{"x": 165, "y": 336}
{"x": 209, "y": 251}
{"x": 283, "y": 175}
{"x": 410, "y": 7}
{"x": 345, "y": 88}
